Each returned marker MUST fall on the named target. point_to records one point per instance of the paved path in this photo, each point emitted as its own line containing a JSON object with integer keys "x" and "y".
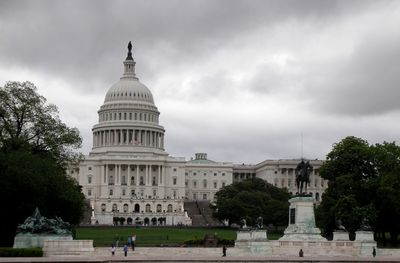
{"x": 198, "y": 255}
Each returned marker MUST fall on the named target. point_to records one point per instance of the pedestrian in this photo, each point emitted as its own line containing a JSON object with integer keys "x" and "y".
{"x": 129, "y": 242}
{"x": 112, "y": 250}
{"x": 125, "y": 250}
{"x": 374, "y": 252}
{"x": 301, "y": 253}
{"x": 133, "y": 239}
{"x": 224, "y": 251}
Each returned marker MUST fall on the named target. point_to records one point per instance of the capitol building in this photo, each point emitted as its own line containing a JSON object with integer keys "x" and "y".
{"x": 129, "y": 174}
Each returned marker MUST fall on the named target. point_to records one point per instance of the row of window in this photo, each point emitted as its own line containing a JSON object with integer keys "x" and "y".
{"x": 205, "y": 184}
{"x": 119, "y": 116}
{"x": 137, "y": 209}
{"x": 215, "y": 174}
{"x": 289, "y": 182}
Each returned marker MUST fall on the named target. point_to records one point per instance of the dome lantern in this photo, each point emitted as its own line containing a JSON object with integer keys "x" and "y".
{"x": 129, "y": 64}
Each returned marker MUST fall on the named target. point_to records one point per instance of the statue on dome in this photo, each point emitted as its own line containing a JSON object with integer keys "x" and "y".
{"x": 130, "y": 47}
{"x": 302, "y": 172}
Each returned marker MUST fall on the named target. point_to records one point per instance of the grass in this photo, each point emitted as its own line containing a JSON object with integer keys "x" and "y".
{"x": 105, "y": 236}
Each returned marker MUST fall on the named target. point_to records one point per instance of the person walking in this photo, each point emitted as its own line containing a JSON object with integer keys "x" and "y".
{"x": 224, "y": 251}
{"x": 126, "y": 250}
{"x": 301, "y": 254}
{"x": 112, "y": 250}
{"x": 133, "y": 240}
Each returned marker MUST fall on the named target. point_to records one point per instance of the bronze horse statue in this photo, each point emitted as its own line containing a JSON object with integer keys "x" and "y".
{"x": 302, "y": 173}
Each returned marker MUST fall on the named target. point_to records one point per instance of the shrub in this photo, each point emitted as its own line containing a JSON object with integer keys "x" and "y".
{"x": 20, "y": 252}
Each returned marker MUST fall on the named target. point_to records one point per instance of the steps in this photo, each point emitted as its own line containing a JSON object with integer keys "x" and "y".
{"x": 201, "y": 213}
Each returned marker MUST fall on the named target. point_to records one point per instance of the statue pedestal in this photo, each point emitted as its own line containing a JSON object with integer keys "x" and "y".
{"x": 302, "y": 221}
{"x": 341, "y": 236}
{"x": 365, "y": 236}
{"x": 36, "y": 240}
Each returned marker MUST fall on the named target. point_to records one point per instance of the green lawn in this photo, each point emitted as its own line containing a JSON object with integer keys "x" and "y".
{"x": 105, "y": 236}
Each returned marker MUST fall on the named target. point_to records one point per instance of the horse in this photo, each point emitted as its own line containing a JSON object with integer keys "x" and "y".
{"x": 302, "y": 172}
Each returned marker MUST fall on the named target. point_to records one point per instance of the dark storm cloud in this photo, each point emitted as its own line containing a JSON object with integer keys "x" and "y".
{"x": 364, "y": 83}
{"x": 81, "y": 39}
{"x": 237, "y": 79}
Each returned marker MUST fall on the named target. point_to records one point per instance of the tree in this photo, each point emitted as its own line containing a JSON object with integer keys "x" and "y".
{"x": 35, "y": 149}
{"x": 364, "y": 182}
{"x": 250, "y": 199}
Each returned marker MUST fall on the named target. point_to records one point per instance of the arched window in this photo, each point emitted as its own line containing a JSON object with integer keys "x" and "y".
{"x": 126, "y": 208}
{"x": 133, "y": 180}
{"x": 89, "y": 179}
{"x": 159, "y": 208}
{"x": 137, "y": 208}
{"x": 169, "y": 209}
{"x": 103, "y": 207}
{"x": 317, "y": 196}
{"x": 148, "y": 208}
{"x": 204, "y": 183}
{"x": 114, "y": 208}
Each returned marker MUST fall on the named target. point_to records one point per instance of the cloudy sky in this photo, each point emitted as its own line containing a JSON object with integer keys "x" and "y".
{"x": 243, "y": 81}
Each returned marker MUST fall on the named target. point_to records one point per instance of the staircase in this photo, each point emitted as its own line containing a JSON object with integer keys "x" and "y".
{"x": 201, "y": 213}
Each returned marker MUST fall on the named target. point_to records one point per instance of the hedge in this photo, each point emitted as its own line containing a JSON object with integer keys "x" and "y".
{"x": 20, "y": 252}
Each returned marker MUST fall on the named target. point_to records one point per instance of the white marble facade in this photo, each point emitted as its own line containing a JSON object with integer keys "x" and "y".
{"x": 128, "y": 173}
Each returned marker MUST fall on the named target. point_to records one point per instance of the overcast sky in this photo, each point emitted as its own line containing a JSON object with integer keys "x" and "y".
{"x": 240, "y": 80}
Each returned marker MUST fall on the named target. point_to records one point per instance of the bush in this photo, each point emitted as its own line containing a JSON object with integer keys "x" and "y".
{"x": 20, "y": 252}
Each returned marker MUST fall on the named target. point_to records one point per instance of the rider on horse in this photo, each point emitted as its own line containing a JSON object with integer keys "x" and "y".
{"x": 302, "y": 172}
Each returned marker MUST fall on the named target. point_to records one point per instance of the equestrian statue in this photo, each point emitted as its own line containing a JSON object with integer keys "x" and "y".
{"x": 302, "y": 173}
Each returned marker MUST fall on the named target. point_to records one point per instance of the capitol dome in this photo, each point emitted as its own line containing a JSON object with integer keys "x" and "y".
{"x": 128, "y": 118}
{"x": 129, "y": 89}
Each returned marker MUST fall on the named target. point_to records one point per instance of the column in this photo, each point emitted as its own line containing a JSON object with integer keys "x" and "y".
{"x": 137, "y": 175}
{"x": 146, "y": 180}
{"x": 129, "y": 176}
{"x": 162, "y": 141}
{"x": 106, "y": 179}
{"x": 120, "y": 137}
{"x": 102, "y": 174}
{"x": 109, "y": 137}
{"x": 162, "y": 174}
{"x": 159, "y": 175}
{"x": 119, "y": 174}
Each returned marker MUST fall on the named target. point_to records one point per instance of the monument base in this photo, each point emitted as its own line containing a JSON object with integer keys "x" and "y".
{"x": 340, "y": 236}
{"x": 67, "y": 247}
{"x": 36, "y": 240}
{"x": 302, "y": 221}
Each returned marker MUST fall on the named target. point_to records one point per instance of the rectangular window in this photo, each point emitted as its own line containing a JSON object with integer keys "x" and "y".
{"x": 174, "y": 181}
{"x": 89, "y": 168}
{"x": 123, "y": 191}
{"x": 215, "y": 185}
{"x": 111, "y": 192}
{"x": 89, "y": 192}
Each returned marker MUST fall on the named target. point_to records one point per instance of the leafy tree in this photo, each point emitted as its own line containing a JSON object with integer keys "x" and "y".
{"x": 35, "y": 148}
{"x": 363, "y": 183}
{"x": 250, "y": 199}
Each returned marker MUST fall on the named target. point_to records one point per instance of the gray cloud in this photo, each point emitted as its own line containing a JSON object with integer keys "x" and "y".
{"x": 238, "y": 79}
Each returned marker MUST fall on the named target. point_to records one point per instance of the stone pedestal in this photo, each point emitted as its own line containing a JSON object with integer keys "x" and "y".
{"x": 341, "y": 236}
{"x": 67, "y": 247}
{"x": 365, "y": 236}
{"x": 36, "y": 240}
{"x": 302, "y": 221}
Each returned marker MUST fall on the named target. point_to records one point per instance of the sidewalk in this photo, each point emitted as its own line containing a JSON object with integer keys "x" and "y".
{"x": 185, "y": 254}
